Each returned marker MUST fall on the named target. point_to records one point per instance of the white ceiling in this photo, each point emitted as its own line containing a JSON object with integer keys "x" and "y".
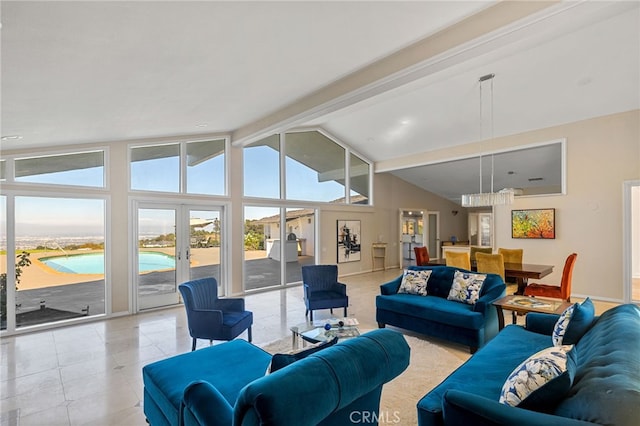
{"x": 82, "y": 72}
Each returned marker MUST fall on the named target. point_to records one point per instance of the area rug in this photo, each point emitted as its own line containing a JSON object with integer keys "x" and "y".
{"x": 428, "y": 366}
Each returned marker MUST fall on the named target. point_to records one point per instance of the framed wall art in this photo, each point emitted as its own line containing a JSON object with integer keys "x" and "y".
{"x": 348, "y": 242}
{"x": 533, "y": 223}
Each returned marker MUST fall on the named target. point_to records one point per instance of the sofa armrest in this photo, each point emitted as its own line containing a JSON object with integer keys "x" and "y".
{"x": 230, "y": 305}
{"x": 391, "y": 287}
{"x": 203, "y": 404}
{"x": 486, "y": 300}
{"x": 464, "y": 408}
{"x": 541, "y": 323}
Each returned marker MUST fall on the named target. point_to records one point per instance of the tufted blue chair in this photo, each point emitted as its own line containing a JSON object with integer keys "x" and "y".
{"x": 212, "y": 318}
{"x": 322, "y": 289}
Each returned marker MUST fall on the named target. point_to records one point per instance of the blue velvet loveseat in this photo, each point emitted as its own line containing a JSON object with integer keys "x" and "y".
{"x": 605, "y": 377}
{"x": 433, "y": 315}
{"x": 226, "y": 384}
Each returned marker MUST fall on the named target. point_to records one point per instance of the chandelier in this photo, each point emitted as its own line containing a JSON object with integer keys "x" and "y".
{"x": 487, "y": 199}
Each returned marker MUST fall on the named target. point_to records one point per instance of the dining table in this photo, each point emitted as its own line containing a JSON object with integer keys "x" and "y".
{"x": 522, "y": 272}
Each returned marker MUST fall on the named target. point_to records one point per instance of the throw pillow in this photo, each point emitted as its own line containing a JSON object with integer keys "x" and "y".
{"x": 573, "y": 323}
{"x": 466, "y": 287}
{"x": 540, "y": 381}
{"x": 279, "y": 361}
{"x": 414, "y": 282}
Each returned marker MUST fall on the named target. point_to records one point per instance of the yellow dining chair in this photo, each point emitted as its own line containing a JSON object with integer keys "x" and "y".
{"x": 490, "y": 264}
{"x": 458, "y": 260}
{"x": 476, "y": 249}
{"x": 511, "y": 255}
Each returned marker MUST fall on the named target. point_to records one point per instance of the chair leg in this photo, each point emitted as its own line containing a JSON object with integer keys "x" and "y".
{"x": 210, "y": 342}
{"x": 249, "y": 334}
{"x": 311, "y": 316}
{"x": 345, "y": 311}
{"x": 193, "y": 345}
{"x": 306, "y": 313}
{"x": 331, "y": 310}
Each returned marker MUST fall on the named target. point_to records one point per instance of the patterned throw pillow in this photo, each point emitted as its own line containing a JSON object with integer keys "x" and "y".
{"x": 415, "y": 282}
{"x": 581, "y": 320}
{"x": 466, "y": 287}
{"x": 541, "y": 380}
{"x": 561, "y": 326}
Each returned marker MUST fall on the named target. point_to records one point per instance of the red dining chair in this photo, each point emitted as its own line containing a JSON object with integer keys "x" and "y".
{"x": 558, "y": 292}
{"x": 422, "y": 255}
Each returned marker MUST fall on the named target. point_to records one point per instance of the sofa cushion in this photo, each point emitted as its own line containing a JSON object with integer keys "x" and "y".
{"x": 282, "y": 360}
{"x": 573, "y": 323}
{"x": 414, "y": 282}
{"x": 466, "y": 287}
{"x": 541, "y": 380}
{"x": 432, "y": 308}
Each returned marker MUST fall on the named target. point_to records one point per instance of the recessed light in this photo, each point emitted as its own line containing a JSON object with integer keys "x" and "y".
{"x": 12, "y": 138}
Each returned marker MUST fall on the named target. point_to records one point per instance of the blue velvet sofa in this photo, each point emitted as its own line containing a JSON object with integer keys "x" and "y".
{"x": 226, "y": 384}
{"x": 605, "y": 388}
{"x": 434, "y": 315}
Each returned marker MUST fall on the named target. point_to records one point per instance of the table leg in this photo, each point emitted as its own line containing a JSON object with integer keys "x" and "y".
{"x": 522, "y": 284}
{"x": 500, "y": 318}
{"x": 294, "y": 337}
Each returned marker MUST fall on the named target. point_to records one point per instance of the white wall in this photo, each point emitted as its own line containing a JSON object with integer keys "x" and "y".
{"x": 602, "y": 153}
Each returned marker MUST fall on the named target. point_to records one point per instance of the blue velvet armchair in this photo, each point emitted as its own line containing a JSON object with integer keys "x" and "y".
{"x": 210, "y": 317}
{"x": 322, "y": 289}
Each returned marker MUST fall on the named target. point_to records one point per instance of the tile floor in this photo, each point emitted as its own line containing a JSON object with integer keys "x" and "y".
{"x": 91, "y": 373}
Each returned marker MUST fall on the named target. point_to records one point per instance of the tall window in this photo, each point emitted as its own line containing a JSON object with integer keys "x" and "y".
{"x": 359, "y": 180}
{"x": 315, "y": 168}
{"x": 63, "y": 240}
{"x": 262, "y": 168}
{"x": 205, "y": 167}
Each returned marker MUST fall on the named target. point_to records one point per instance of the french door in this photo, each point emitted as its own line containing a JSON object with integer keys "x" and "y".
{"x": 174, "y": 243}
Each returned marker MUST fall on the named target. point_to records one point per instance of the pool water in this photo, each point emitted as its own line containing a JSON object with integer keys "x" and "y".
{"x": 93, "y": 263}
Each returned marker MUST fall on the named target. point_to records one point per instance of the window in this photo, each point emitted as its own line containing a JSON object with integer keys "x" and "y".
{"x": 80, "y": 169}
{"x": 315, "y": 168}
{"x": 262, "y": 168}
{"x": 205, "y": 167}
{"x": 359, "y": 180}
{"x": 156, "y": 168}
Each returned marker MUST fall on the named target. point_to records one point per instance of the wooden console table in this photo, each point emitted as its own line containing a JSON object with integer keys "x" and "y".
{"x": 379, "y": 253}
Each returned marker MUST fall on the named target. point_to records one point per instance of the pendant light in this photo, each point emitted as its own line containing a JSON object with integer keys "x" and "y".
{"x": 487, "y": 199}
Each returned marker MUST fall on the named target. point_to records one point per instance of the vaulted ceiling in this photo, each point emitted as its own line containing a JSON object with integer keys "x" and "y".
{"x": 390, "y": 79}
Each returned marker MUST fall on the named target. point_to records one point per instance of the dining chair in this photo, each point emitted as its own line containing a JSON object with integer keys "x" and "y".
{"x": 322, "y": 289}
{"x": 511, "y": 255}
{"x": 458, "y": 259}
{"x": 476, "y": 249}
{"x": 563, "y": 291}
{"x": 422, "y": 255}
{"x": 490, "y": 263}
{"x": 211, "y": 318}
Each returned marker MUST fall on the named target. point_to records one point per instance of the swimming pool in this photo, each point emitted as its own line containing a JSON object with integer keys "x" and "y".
{"x": 93, "y": 263}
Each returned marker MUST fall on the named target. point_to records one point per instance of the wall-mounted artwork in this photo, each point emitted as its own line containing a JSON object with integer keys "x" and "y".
{"x": 533, "y": 223}
{"x": 349, "y": 241}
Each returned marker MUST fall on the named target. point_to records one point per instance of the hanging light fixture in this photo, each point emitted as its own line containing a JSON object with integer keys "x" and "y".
{"x": 487, "y": 199}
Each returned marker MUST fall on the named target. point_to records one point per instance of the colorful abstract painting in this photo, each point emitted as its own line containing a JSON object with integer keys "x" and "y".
{"x": 534, "y": 223}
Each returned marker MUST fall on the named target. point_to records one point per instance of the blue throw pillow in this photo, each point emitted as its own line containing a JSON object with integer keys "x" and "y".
{"x": 541, "y": 381}
{"x": 573, "y": 323}
{"x": 279, "y": 361}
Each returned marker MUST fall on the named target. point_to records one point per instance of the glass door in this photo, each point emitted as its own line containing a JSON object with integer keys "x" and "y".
{"x": 205, "y": 242}
{"x": 158, "y": 256}
{"x": 175, "y": 243}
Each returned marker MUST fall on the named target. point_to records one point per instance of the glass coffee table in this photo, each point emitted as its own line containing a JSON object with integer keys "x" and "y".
{"x": 324, "y": 330}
